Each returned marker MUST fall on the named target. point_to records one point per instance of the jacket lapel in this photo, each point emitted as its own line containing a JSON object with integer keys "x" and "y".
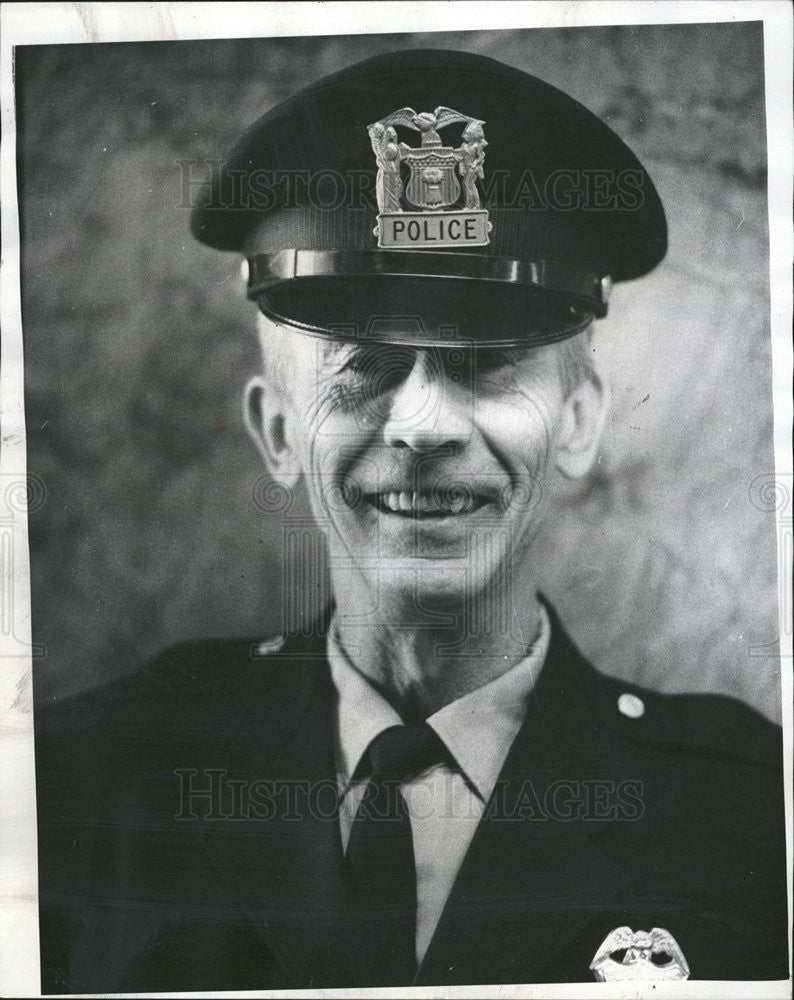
{"x": 283, "y": 865}
{"x": 534, "y": 878}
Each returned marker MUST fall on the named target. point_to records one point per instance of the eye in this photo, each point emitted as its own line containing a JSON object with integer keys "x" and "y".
{"x": 492, "y": 359}
{"x": 361, "y": 359}
{"x": 355, "y": 364}
{"x": 380, "y": 365}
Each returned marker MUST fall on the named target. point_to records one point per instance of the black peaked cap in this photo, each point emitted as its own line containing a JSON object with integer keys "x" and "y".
{"x": 570, "y": 207}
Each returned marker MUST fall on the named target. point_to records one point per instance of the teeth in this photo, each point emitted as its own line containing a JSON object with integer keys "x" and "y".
{"x": 405, "y": 501}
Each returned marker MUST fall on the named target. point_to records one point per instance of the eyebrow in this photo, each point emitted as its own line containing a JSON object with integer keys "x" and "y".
{"x": 338, "y": 352}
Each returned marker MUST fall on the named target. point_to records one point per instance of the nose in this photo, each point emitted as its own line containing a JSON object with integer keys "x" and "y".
{"x": 429, "y": 409}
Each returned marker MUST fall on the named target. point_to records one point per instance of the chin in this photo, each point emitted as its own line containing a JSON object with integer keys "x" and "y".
{"x": 418, "y": 585}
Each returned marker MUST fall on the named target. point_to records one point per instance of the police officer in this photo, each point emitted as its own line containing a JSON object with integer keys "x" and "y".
{"x": 430, "y": 785}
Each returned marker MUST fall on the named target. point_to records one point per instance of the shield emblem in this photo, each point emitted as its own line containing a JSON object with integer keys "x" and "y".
{"x": 433, "y": 183}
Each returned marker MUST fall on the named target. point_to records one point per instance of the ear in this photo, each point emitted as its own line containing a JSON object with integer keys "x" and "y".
{"x": 266, "y": 420}
{"x": 582, "y": 422}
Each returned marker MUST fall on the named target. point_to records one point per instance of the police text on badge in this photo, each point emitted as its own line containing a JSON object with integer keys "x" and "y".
{"x": 441, "y": 229}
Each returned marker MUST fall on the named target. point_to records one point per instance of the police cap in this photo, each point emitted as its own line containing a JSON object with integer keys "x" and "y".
{"x": 433, "y": 196}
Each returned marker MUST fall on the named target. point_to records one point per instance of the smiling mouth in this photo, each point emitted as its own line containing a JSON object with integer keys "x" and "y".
{"x": 425, "y": 505}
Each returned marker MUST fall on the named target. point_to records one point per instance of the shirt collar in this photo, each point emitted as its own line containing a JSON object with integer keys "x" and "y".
{"x": 362, "y": 712}
{"x": 478, "y": 729}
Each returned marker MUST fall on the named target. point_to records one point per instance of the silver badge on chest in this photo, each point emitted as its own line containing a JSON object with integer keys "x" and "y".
{"x": 648, "y": 956}
{"x": 438, "y": 206}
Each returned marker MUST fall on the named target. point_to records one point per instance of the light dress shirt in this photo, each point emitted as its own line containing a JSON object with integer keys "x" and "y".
{"x": 444, "y": 804}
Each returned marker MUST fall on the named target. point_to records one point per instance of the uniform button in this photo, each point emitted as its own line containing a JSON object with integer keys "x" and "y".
{"x": 631, "y": 706}
{"x": 270, "y": 646}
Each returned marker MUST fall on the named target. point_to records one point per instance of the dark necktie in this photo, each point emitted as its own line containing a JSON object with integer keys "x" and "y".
{"x": 380, "y": 855}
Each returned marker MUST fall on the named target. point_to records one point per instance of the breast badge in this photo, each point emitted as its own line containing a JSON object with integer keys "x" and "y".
{"x": 648, "y": 956}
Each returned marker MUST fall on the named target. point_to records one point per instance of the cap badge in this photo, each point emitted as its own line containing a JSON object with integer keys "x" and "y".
{"x": 638, "y": 964}
{"x": 439, "y": 204}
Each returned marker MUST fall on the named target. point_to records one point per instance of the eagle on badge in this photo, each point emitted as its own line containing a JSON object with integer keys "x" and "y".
{"x": 640, "y": 947}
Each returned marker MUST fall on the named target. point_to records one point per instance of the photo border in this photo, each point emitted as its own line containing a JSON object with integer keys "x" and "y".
{"x": 54, "y": 23}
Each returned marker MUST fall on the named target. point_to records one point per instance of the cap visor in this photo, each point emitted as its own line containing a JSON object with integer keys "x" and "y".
{"x": 424, "y": 311}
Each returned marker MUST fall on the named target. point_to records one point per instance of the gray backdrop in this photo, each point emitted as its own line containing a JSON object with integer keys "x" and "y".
{"x": 151, "y": 520}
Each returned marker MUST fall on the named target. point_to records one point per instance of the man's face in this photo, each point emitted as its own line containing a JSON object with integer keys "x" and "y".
{"x": 428, "y": 469}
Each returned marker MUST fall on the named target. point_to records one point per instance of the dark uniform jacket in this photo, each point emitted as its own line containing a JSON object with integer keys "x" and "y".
{"x": 188, "y": 836}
